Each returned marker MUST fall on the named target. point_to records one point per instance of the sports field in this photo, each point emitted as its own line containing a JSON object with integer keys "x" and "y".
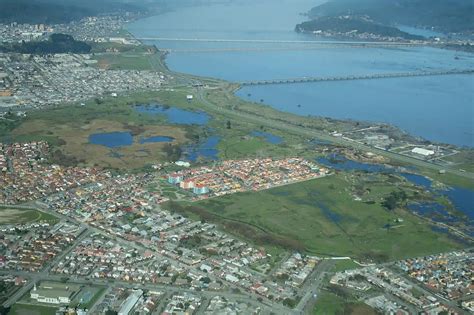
{"x": 10, "y": 215}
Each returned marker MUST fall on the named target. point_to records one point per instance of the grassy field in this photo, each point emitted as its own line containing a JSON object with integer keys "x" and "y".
{"x": 26, "y": 309}
{"x": 342, "y": 265}
{"x": 10, "y": 215}
{"x": 330, "y": 304}
{"x": 464, "y": 160}
{"x": 125, "y": 61}
{"x": 321, "y": 217}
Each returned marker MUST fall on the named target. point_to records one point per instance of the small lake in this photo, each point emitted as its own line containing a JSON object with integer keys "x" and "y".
{"x": 175, "y": 115}
{"x": 206, "y": 150}
{"x": 112, "y": 139}
{"x": 269, "y": 137}
{"x": 123, "y": 139}
{"x": 342, "y": 163}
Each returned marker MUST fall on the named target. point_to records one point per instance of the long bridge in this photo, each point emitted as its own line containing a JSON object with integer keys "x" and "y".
{"x": 274, "y": 48}
{"x": 358, "y": 77}
{"x": 275, "y": 41}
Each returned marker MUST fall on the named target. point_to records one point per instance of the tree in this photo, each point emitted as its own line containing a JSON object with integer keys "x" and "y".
{"x": 229, "y": 125}
{"x": 206, "y": 280}
{"x": 111, "y": 312}
{"x": 394, "y": 200}
{"x": 289, "y": 302}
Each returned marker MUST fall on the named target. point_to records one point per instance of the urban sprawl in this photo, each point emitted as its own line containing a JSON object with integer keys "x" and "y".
{"x": 105, "y": 241}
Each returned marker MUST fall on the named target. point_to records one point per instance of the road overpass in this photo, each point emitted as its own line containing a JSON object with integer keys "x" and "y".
{"x": 358, "y": 77}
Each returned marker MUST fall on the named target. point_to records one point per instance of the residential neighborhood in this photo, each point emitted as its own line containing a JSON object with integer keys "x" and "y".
{"x": 228, "y": 157}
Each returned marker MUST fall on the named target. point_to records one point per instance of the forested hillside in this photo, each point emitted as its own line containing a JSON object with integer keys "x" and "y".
{"x": 444, "y": 15}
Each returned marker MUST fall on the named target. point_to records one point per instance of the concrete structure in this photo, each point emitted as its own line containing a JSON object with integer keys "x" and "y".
{"x": 186, "y": 184}
{"x": 200, "y": 190}
{"x": 423, "y": 152}
{"x": 54, "y": 293}
{"x": 175, "y": 179}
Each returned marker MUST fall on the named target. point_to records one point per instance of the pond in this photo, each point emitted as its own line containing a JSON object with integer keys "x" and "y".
{"x": 112, "y": 139}
{"x": 269, "y": 137}
{"x": 206, "y": 150}
{"x": 175, "y": 115}
{"x": 121, "y": 139}
{"x": 342, "y": 163}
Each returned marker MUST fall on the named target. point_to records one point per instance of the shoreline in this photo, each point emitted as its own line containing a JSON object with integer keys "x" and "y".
{"x": 414, "y": 137}
{"x": 237, "y": 87}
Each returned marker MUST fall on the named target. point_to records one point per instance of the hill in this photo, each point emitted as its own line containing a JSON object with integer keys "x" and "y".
{"x": 57, "y": 44}
{"x": 453, "y": 16}
{"x": 55, "y": 11}
{"x": 352, "y": 25}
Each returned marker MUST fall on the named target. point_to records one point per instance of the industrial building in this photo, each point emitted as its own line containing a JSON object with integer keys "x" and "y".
{"x": 54, "y": 293}
{"x": 423, "y": 152}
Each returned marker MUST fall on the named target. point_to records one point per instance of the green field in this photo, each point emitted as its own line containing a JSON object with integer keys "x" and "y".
{"x": 341, "y": 265}
{"x": 124, "y": 61}
{"x": 26, "y": 309}
{"x": 11, "y": 215}
{"x": 321, "y": 217}
{"x": 328, "y": 303}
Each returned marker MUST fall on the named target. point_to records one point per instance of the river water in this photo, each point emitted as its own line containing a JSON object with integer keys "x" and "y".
{"x": 436, "y": 108}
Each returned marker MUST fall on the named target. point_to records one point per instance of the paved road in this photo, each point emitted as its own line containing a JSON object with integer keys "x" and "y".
{"x": 312, "y": 286}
